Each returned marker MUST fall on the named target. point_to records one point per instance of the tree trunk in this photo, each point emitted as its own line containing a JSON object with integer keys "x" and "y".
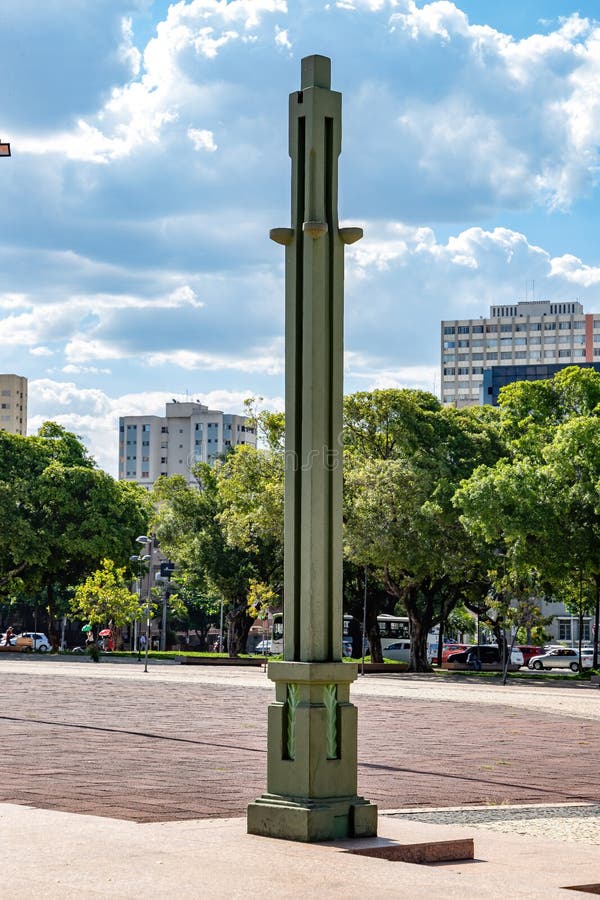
{"x": 239, "y": 624}
{"x": 373, "y": 636}
{"x": 418, "y": 646}
{"x": 52, "y": 627}
{"x": 596, "y": 622}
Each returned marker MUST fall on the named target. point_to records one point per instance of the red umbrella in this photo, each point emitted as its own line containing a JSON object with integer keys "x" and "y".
{"x": 105, "y": 632}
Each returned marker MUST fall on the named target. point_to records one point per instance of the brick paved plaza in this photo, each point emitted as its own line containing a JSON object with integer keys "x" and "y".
{"x": 179, "y": 744}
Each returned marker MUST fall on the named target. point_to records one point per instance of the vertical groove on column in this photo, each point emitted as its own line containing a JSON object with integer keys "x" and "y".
{"x": 298, "y": 379}
{"x": 330, "y": 462}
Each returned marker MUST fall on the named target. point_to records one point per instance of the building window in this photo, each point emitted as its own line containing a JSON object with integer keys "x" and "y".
{"x": 564, "y": 353}
{"x": 564, "y": 326}
{"x": 549, "y": 326}
{"x": 145, "y": 428}
{"x": 463, "y": 329}
{"x": 448, "y": 345}
{"x": 564, "y": 629}
{"x": 477, "y": 329}
{"x": 535, "y": 354}
{"x": 521, "y": 354}
{"x": 506, "y": 328}
{"x": 520, "y": 342}
{"x": 463, "y": 371}
{"x": 477, "y": 370}
{"x": 449, "y": 329}
{"x": 164, "y": 430}
{"x": 579, "y": 324}
{"x": 460, "y": 344}
{"x": 449, "y": 371}
{"x": 477, "y": 356}
{"x": 507, "y": 354}
{"x": 535, "y": 326}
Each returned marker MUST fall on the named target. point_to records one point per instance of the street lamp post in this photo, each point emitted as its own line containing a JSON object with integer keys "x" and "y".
{"x": 143, "y": 539}
{"x": 141, "y": 560}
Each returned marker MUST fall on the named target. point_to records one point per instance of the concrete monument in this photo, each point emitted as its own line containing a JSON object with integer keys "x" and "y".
{"x": 311, "y": 777}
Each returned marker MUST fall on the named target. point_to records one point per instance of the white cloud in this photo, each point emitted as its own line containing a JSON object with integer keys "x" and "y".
{"x": 40, "y": 351}
{"x": 271, "y": 363}
{"x": 202, "y": 139}
{"x": 573, "y": 270}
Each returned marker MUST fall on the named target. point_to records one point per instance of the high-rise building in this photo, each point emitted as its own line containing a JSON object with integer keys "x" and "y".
{"x": 525, "y": 333}
{"x": 13, "y": 404}
{"x": 189, "y": 432}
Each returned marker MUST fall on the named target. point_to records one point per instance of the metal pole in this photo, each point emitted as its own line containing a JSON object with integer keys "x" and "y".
{"x": 364, "y": 623}
{"x": 163, "y": 633}
{"x": 221, "y": 629}
{"x": 147, "y": 632}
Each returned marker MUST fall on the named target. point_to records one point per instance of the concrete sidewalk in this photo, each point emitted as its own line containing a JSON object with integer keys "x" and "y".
{"x": 63, "y": 855}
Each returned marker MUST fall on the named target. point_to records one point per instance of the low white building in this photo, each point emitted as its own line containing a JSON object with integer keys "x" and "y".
{"x": 189, "y": 432}
{"x": 13, "y": 404}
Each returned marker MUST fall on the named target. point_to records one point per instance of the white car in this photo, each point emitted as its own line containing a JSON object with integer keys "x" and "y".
{"x": 561, "y": 658}
{"x": 398, "y": 651}
{"x": 39, "y": 641}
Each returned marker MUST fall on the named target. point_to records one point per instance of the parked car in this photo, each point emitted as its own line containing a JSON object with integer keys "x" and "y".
{"x": 487, "y": 653}
{"x": 530, "y": 650}
{"x": 347, "y": 646}
{"x": 447, "y": 649}
{"x": 263, "y": 647}
{"x": 561, "y": 658}
{"x": 38, "y": 640}
{"x": 399, "y": 651}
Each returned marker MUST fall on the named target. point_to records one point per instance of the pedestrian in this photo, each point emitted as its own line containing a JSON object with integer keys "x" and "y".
{"x": 473, "y": 660}
{"x": 141, "y": 645}
{"x": 9, "y": 635}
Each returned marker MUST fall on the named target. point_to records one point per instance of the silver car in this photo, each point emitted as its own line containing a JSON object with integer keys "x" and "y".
{"x": 561, "y": 658}
{"x": 39, "y": 641}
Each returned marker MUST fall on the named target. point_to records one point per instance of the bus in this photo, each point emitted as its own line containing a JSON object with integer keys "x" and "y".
{"x": 391, "y": 629}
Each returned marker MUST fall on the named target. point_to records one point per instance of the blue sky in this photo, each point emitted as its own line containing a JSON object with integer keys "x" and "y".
{"x": 150, "y": 160}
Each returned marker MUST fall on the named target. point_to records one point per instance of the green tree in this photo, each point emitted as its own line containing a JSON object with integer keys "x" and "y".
{"x": 104, "y": 598}
{"x": 60, "y": 516}
{"x": 399, "y": 516}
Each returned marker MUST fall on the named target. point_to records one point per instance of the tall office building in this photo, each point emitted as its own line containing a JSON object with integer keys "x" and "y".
{"x": 189, "y": 432}
{"x": 13, "y": 404}
{"x": 526, "y": 333}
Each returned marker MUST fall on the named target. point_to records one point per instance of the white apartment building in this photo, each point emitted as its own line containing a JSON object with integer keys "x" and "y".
{"x": 13, "y": 404}
{"x": 536, "y": 332}
{"x": 189, "y": 432}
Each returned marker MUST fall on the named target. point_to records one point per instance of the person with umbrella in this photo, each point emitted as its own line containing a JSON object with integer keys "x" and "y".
{"x": 89, "y": 635}
{"x": 108, "y": 644}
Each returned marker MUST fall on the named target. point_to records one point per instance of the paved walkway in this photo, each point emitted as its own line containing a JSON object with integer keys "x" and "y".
{"x": 183, "y": 742}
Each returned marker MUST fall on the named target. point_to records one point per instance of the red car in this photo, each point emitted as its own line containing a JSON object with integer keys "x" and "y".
{"x": 447, "y": 650}
{"x": 529, "y": 651}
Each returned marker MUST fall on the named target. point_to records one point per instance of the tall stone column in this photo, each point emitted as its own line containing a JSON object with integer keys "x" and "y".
{"x": 311, "y": 777}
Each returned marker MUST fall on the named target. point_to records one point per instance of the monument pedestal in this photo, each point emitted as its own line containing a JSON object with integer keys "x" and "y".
{"x": 311, "y": 767}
